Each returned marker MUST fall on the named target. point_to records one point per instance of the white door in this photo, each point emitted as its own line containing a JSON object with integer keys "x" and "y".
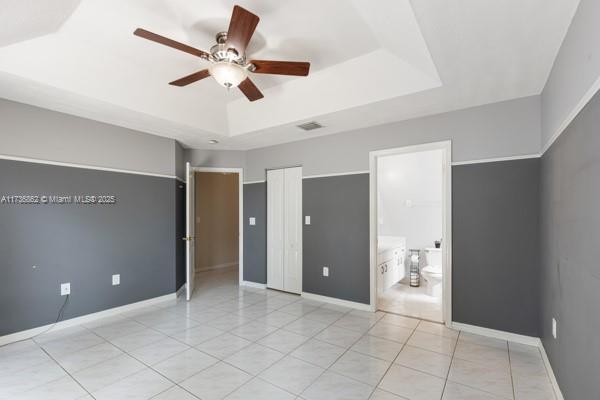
{"x": 275, "y": 229}
{"x": 189, "y": 231}
{"x": 292, "y": 267}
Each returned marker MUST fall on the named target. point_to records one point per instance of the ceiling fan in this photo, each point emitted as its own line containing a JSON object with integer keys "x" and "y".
{"x": 228, "y": 63}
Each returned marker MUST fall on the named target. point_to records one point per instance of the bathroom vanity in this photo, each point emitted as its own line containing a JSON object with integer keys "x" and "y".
{"x": 391, "y": 253}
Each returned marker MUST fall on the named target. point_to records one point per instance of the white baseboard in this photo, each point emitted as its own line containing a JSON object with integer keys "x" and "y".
{"x": 181, "y": 291}
{"x": 253, "y": 284}
{"x": 336, "y": 301}
{"x": 493, "y": 333}
{"x": 17, "y": 336}
{"x": 218, "y": 266}
{"x": 513, "y": 337}
{"x": 557, "y": 391}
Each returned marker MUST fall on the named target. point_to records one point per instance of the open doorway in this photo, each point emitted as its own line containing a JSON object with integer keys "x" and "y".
{"x": 214, "y": 227}
{"x": 410, "y": 231}
{"x": 217, "y": 221}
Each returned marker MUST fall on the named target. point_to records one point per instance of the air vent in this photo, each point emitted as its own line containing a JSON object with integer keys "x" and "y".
{"x": 309, "y": 126}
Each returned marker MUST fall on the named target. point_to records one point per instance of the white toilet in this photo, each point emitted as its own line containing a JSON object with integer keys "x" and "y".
{"x": 432, "y": 272}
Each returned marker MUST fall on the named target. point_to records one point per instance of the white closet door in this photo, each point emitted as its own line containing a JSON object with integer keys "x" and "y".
{"x": 275, "y": 229}
{"x": 292, "y": 273}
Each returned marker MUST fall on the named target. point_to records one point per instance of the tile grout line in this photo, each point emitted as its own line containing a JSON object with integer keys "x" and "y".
{"x": 256, "y": 342}
{"x": 366, "y": 333}
{"x": 151, "y": 368}
{"x": 67, "y": 372}
{"x": 183, "y": 314}
{"x": 510, "y": 370}
{"x": 451, "y": 362}
{"x": 474, "y": 362}
{"x": 219, "y": 359}
{"x": 395, "y": 358}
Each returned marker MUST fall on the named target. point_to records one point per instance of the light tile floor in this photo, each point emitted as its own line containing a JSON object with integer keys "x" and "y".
{"x": 403, "y": 299}
{"x": 243, "y": 343}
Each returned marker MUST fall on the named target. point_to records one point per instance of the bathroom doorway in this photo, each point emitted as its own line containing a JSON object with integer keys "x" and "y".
{"x": 410, "y": 231}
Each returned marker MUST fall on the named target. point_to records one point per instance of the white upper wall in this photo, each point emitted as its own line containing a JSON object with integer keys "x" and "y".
{"x": 216, "y": 158}
{"x": 32, "y": 132}
{"x": 575, "y": 77}
{"x": 179, "y": 161}
{"x": 409, "y": 197}
{"x": 505, "y": 129}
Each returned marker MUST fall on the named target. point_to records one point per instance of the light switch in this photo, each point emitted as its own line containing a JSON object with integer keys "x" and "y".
{"x": 307, "y": 219}
{"x": 252, "y": 221}
{"x": 325, "y": 271}
{"x": 116, "y": 279}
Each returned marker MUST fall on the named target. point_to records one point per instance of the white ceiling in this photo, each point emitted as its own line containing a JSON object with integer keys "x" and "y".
{"x": 372, "y": 62}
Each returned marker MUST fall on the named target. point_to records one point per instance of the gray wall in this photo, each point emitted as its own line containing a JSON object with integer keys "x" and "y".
{"x": 570, "y": 270}
{"x": 495, "y": 262}
{"x": 180, "y": 222}
{"x": 255, "y": 236}
{"x": 83, "y": 245}
{"x": 495, "y": 241}
{"x": 497, "y": 130}
{"x": 34, "y": 132}
{"x": 338, "y": 237}
{"x": 576, "y": 68}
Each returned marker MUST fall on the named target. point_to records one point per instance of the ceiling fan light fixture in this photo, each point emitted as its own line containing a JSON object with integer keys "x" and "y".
{"x": 228, "y": 74}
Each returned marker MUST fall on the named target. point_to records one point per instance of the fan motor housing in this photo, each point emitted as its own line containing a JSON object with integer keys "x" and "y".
{"x": 221, "y": 53}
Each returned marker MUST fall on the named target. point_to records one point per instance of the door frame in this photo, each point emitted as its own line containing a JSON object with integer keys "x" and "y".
{"x": 240, "y": 172}
{"x": 446, "y": 146}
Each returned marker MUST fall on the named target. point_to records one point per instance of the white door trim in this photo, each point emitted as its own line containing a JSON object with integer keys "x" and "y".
{"x": 240, "y": 172}
{"x": 446, "y": 216}
{"x": 190, "y": 215}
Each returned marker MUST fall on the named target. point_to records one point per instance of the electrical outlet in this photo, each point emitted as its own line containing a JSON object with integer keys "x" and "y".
{"x": 116, "y": 279}
{"x": 325, "y": 271}
{"x": 554, "y": 328}
{"x": 307, "y": 219}
{"x": 65, "y": 289}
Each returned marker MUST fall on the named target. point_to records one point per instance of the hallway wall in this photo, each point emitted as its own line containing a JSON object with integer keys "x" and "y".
{"x": 217, "y": 220}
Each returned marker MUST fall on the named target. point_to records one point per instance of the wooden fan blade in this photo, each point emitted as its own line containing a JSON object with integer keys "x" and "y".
{"x": 241, "y": 27}
{"x": 250, "y": 90}
{"x": 281, "y": 67}
{"x": 170, "y": 42}
{"x": 195, "y": 77}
